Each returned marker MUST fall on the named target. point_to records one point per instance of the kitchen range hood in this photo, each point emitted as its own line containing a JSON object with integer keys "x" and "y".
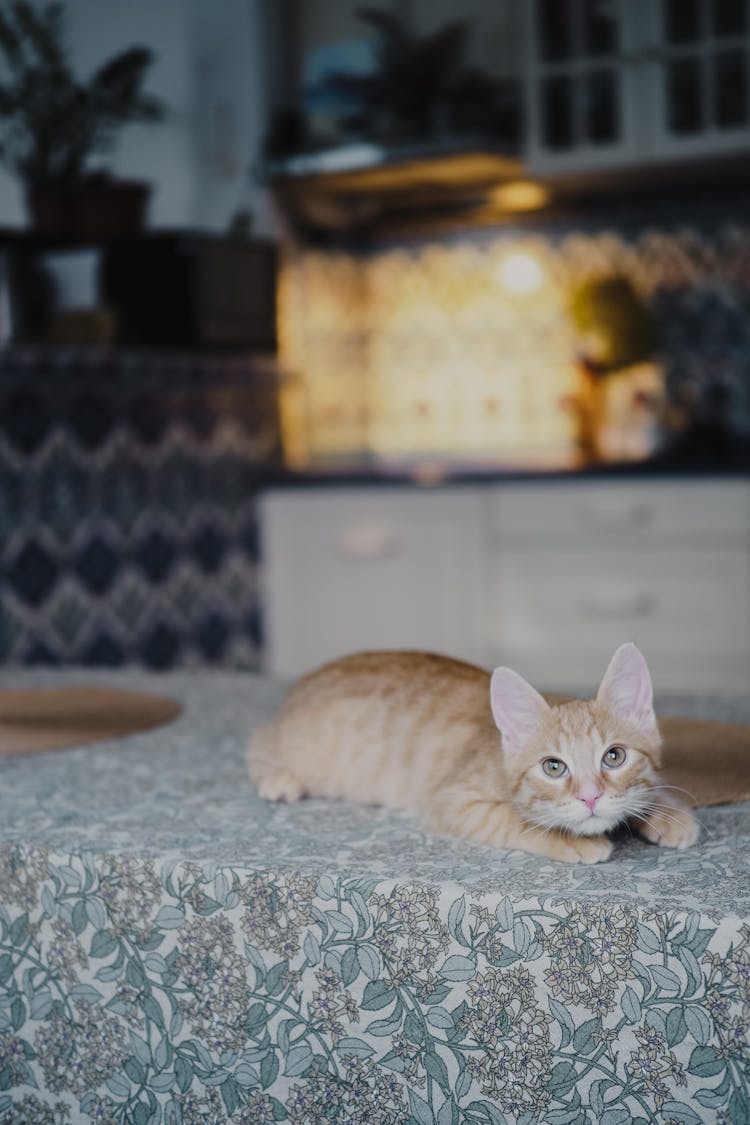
{"x": 367, "y": 187}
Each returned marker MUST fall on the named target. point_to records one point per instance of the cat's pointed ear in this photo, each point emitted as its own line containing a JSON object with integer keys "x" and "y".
{"x": 626, "y": 688}
{"x": 518, "y": 710}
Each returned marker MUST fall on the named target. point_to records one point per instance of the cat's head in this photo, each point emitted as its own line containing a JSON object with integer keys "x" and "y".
{"x": 582, "y": 766}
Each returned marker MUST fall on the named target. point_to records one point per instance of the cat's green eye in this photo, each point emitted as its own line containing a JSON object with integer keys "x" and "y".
{"x": 614, "y": 757}
{"x": 553, "y": 767}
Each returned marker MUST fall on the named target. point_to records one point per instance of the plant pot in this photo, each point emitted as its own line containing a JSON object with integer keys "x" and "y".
{"x": 92, "y": 209}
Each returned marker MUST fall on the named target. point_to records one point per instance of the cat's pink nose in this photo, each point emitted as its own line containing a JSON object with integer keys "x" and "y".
{"x": 591, "y": 800}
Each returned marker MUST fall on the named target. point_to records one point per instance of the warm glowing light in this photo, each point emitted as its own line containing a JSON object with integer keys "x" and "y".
{"x": 520, "y": 195}
{"x": 520, "y": 273}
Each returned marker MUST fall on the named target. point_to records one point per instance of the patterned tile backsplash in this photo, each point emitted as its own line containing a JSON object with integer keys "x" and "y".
{"x": 127, "y": 508}
{"x": 466, "y": 347}
{"x": 128, "y": 483}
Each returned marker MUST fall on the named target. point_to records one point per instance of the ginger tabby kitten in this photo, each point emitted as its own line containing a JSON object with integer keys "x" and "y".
{"x": 415, "y": 731}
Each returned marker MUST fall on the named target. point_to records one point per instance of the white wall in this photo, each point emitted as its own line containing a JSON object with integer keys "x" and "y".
{"x": 211, "y": 72}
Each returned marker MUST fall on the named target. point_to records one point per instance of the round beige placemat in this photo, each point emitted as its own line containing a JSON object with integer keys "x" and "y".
{"x": 33, "y": 719}
{"x": 709, "y": 760}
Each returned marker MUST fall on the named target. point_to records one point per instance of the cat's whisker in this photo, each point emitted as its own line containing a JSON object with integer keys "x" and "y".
{"x": 677, "y": 789}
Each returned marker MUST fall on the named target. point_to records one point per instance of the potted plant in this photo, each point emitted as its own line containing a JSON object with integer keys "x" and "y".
{"x": 52, "y": 124}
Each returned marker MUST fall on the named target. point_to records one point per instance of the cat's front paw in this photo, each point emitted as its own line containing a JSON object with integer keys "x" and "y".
{"x": 670, "y": 828}
{"x": 581, "y": 849}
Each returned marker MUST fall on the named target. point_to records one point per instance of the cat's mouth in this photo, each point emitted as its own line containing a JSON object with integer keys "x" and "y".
{"x": 594, "y": 825}
{"x": 591, "y": 823}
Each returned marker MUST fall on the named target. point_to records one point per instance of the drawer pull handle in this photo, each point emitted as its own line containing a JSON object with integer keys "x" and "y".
{"x": 609, "y": 519}
{"x": 619, "y": 606}
{"x": 367, "y": 544}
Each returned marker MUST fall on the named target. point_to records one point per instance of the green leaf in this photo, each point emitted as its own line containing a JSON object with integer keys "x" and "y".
{"x": 676, "y": 1026}
{"x": 339, "y": 922}
{"x": 647, "y": 940}
{"x": 140, "y": 1049}
{"x": 230, "y": 1095}
{"x": 439, "y": 1017}
{"x": 684, "y": 1114}
{"x": 562, "y": 1016}
{"x": 711, "y": 1099}
{"x": 153, "y": 1012}
{"x": 349, "y": 966}
{"x": 739, "y": 1107}
{"x": 80, "y": 918}
{"x": 705, "y": 1062}
{"x": 134, "y": 974}
{"x": 141, "y": 1114}
{"x": 170, "y": 918}
{"x": 183, "y": 1068}
{"x": 311, "y": 948}
{"x": 41, "y": 1004}
{"x": 448, "y": 1113}
{"x": 455, "y": 918}
{"x": 349, "y": 1045}
{"x": 521, "y": 937}
{"x": 6, "y": 967}
{"x": 256, "y": 1015}
{"x": 393, "y": 1062}
{"x": 504, "y": 914}
{"x": 369, "y": 961}
{"x": 269, "y": 1069}
{"x": 118, "y": 1087}
{"x": 438, "y": 994}
{"x": 562, "y": 1080}
{"x": 326, "y": 887}
{"x": 377, "y": 995}
{"x": 96, "y": 912}
{"x": 163, "y": 1082}
{"x": 437, "y": 1070}
{"x": 246, "y": 1075}
{"x": 134, "y": 1070}
{"x": 18, "y": 929}
{"x": 698, "y": 1024}
{"x": 485, "y": 1111}
{"x": 616, "y": 1115}
{"x": 413, "y": 1029}
{"x": 631, "y": 1005}
{"x": 583, "y": 1040}
{"x": 463, "y": 1084}
{"x": 298, "y": 1059}
{"x": 420, "y": 1109}
{"x": 274, "y": 982}
{"x": 18, "y": 1013}
{"x": 387, "y": 1026}
{"x": 86, "y": 992}
{"x": 278, "y": 1111}
{"x": 665, "y": 979}
{"x": 692, "y": 968}
{"x": 458, "y": 968}
{"x": 699, "y": 944}
{"x": 596, "y": 1096}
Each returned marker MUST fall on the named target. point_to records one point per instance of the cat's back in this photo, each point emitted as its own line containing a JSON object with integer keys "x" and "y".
{"x": 377, "y": 725}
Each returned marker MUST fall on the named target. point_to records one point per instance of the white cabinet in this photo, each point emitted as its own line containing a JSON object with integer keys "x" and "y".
{"x": 548, "y": 577}
{"x": 613, "y": 82}
{"x": 576, "y": 569}
{"x": 368, "y": 568}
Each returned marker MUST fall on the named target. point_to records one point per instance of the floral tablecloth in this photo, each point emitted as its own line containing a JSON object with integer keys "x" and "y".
{"x": 173, "y": 950}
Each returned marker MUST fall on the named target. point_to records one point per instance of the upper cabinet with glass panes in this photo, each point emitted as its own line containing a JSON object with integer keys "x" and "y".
{"x": 615, "y": 82}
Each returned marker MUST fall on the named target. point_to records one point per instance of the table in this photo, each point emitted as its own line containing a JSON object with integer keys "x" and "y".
{"x": 174, "y": 950}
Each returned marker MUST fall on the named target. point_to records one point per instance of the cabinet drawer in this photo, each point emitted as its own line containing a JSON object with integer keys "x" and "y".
{"x": 690, "y": 614}
{"x": 345, "y": 571}
{"x": 644, "y": 513}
